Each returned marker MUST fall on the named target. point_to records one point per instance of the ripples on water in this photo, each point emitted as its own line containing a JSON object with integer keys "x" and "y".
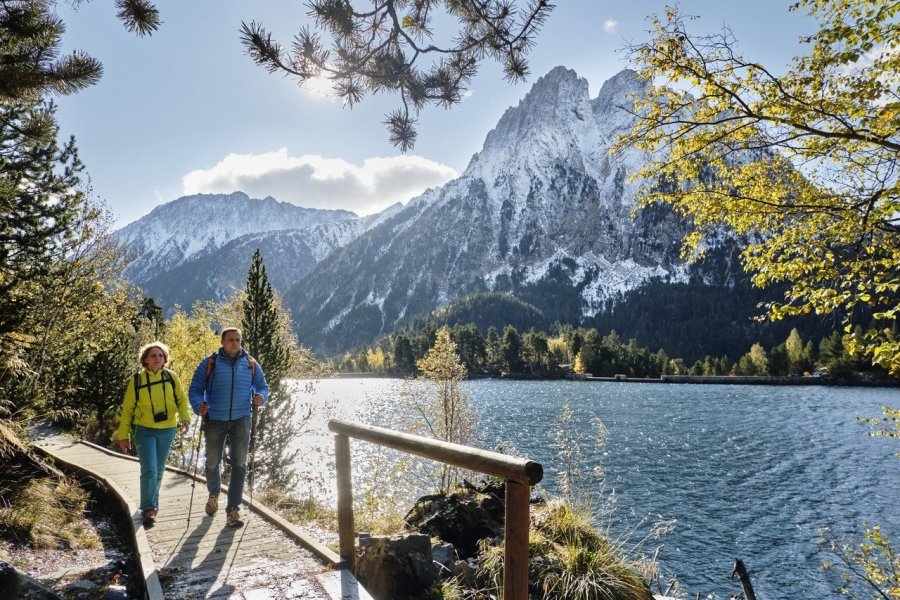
{"x": 750, "y": 472}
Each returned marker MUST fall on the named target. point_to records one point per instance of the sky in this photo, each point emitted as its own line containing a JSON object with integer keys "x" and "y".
{"x": 186, "y": 111}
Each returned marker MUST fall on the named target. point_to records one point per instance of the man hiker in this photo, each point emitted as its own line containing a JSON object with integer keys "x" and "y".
{"x": 224, "y": 386}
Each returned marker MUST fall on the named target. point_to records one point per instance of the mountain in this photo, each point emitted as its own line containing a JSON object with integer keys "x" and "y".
{"x": 199, "y": 247}
{"x": 543, "y": 212}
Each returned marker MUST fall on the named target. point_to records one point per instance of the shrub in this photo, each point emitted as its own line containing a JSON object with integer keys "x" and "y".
{"x": 570, "y": 560}
{"x": 45, "y": 512}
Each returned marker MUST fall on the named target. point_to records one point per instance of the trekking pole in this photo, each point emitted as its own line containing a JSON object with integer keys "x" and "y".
{"x": 254, "y": 410}
{"x": 195, "y": 458}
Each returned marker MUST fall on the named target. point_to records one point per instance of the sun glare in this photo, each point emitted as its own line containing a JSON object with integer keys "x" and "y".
{"x": 319, "y": 86}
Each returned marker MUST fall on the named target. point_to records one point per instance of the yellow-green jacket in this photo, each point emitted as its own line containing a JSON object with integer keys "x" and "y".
{"x": 155, "y": 394}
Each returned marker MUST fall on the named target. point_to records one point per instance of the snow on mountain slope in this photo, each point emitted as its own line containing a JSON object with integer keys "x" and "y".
{"x": 176, "y": 231}
{"x": 199, "y": 247}
{"x": 542, "y": 204}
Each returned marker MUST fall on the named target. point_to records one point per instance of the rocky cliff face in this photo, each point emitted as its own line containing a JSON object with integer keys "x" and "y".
{"x": 542, "y": 211}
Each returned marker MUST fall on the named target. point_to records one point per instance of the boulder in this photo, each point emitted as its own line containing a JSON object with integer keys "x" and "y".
{"x": 444, "y": 555}
{"x": 462, "y": 518}
{"x": 16, "y": 584}
{"x": 465, "y": 572}
{"x": 396, "y": 567}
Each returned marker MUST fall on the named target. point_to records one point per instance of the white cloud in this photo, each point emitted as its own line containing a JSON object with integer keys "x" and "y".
{"x": 877, "y": 58}
{"x": 610, "y": 26}
{"x": 316, "y": 182}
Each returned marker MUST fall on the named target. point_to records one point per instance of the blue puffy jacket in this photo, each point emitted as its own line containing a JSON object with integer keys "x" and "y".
{"x": 230, "y": 388}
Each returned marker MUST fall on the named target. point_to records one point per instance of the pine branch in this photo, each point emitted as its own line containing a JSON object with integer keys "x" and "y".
{"x": 382, "y": 50}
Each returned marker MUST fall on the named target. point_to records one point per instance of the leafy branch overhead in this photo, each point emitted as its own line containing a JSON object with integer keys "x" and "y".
{"x": 390, "y": 47}
{"x": 823, "y": 207}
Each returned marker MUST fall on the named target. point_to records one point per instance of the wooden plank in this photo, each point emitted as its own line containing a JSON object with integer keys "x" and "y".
{"x": 215, "y": 551}
{"x": 213, "y": 558}
{"x": 152, "y": 586}
{"x": 169, "y": 519}
{"x": 205, "y": 545}
{"x": 220, "y": 534}
{"x": 189, "y": 546}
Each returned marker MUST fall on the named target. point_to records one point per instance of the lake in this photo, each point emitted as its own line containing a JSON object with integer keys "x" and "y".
{"x": 749, "y": 472}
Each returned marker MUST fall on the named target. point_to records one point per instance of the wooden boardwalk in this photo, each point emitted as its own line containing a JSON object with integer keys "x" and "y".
{"x": 191, "y": 555}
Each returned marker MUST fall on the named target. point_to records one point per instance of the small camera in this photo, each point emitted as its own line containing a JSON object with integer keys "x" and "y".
{"x": 160, "y": 417}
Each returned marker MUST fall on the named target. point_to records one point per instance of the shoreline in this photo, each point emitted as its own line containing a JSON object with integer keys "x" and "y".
{"x": 772, "y": 380}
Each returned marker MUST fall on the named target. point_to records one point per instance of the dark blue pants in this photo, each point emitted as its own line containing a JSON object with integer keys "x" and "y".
{"x": 238, "y": 433}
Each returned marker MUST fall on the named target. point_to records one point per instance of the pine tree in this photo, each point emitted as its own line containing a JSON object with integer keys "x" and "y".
{"x": 833, "y": 355}
{"x": 662, "y": 363}
{"x": 266, "y": 340}
{"x": 84, "y": 307}
{"x": 470, "y": 344}
{"x": 492, "y": 349}
{"x": 404, "y": 361}
{"x": 30, "y": 42}
{"x": 536, "y": 347}
{"x": 779, "y": 361}
{"x": 150, "y": 320}
{"x": 50, "y": 233}
{"x": 38, "y": 205}
{"x": 511, "y": 350}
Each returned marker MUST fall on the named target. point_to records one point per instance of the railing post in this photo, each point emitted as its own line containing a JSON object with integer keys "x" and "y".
{"x": 346, "y": 532}
{"x": 520, "y": 474}
{"x": 515, "y": 552}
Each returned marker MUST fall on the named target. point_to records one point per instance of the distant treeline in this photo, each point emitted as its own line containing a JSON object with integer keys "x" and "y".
{"x": 690, "y": 320}
{"x": 583, "y": 350}
{"x": 694, "y": 320}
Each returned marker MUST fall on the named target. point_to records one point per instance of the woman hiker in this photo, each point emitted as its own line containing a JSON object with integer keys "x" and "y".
{"x": 153, "y": 404}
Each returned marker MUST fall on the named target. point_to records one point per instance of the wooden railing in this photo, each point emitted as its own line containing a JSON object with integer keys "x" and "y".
{"x": 520, "y": 474}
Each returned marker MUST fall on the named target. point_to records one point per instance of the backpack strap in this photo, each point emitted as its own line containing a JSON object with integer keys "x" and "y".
{"x": 167, "y": 376}
{"x": 137, "y": 384}
{"x": 210, "y": 366}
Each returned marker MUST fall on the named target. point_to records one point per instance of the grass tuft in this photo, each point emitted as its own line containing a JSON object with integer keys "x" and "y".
{"x": 295, "y": 509}
{"x": 570, "y": 560}
{"x": 44, "y": 512}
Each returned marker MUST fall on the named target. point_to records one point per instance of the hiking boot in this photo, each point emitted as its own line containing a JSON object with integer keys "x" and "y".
{"x": 232, "y": 517}
{"x": 149, "y": 518}
{"x": 212, "y": 504}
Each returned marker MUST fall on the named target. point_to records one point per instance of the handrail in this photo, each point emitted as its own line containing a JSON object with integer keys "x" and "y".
{"x": 520, "y": 475}
{"x": 467, "y": 457}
